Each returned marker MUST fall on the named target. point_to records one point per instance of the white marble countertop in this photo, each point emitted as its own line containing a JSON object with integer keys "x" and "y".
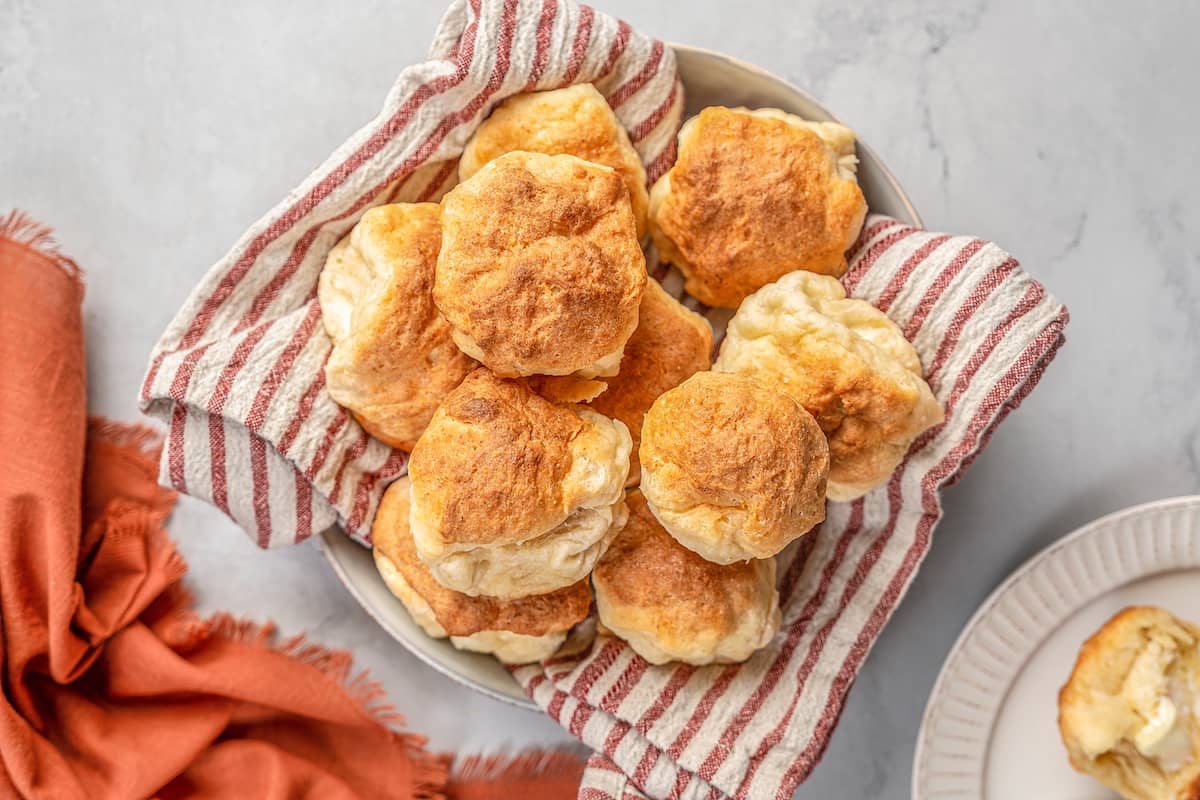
{"x": 151, "y": 134}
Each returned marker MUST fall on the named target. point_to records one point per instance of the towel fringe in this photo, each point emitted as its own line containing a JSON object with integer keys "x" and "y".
{"x": 138, "y": 446}
{"x": 19, "y": 227}
{"x": 339, "y": 664}
{"x": 175, "y": 566}
{"x": 430, "y": 770}
{"x": 526, "y": 765}
{"x": 188, "y": 629}
{"x": 473, "y": 776}
{"x": 141, "y": 439}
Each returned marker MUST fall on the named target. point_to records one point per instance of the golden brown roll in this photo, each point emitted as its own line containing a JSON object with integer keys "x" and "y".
{"x": 753, "y": 195}
{"x": 733, "y": 468}
{"x": 393, "y": 359}
{"x": 670, "y": 345}
{"x": 566, "y": 388}
{"x": 575, "y": 121}
{"x": 846, "y": 363}
{"x": 1128, "y": 713}
{"x": 670, "y": 604}
{"x": 515, "y": 631}
{"x": 513, "y": 495}
{"x": 540, "y": 271}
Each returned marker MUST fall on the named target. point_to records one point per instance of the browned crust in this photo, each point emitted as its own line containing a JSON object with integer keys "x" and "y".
{"x": 846, "y": 363}
{"x": 670, "y": 345}
{"x": 646, "y": 568}
{"x": 750, "y": 200}
{"x": 491, "y": 464}
{"x": 399, "y": 361}
{"x": 861, "y": 412}
{"x": 575, "y": 120}
{"x": 731, "y": 442}
{"x": 540, "y": 264}
{"x": 566, "y": 388}
{"x": 460, "y": 614}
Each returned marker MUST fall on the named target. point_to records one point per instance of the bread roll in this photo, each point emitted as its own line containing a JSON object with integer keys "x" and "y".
{"x": 575, "y": 120}
{"x": 753, "y": 195}
{"x": 393, "y": 358}
{"x": 540, "y": 271}
{"x": 1128, "y": 712}
{"x": 670, "y": 345}
{"x": 733, "y": 468}
{"x": 515, "y": 631}
{"x": 513, "y": 495}
{"x": 670, "y": 604}
{"x": 846, "y": 363}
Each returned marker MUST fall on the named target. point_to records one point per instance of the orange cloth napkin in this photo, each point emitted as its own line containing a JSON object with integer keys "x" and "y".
{"x": 113, "y": 688}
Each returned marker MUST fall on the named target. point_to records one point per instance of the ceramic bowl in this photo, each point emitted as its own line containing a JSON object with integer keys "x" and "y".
{"x": 709, "y": 78}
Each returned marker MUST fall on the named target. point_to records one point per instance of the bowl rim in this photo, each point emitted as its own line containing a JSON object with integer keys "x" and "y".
{"x": 327, "y": 549}
{"x": 351, "y": 586}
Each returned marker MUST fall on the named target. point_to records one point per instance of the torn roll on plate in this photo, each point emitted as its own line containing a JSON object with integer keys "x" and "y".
{"x": 1128, "y": 713}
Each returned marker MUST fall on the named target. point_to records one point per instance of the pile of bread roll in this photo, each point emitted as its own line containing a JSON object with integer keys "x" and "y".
{"x": 568, "y": 430}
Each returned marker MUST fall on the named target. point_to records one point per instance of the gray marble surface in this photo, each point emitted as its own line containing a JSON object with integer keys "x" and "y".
{"x": 151, "y": 134}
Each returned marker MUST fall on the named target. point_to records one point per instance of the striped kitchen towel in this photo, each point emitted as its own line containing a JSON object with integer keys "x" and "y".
{"x": 238, "y": 378}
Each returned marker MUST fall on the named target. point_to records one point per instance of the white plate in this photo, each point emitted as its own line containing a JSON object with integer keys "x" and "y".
{"x": 709, "y": 79}
{"x": 991, "y": 727}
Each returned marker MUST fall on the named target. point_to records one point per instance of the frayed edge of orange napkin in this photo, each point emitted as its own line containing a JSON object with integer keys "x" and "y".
{"x": 20, "y": 228}
{"x": 530, "y": 775}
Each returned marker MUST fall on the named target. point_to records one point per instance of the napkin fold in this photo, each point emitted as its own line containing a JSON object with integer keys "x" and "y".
{"x": 238, "y": 378}
{"x": 113, "y": 687}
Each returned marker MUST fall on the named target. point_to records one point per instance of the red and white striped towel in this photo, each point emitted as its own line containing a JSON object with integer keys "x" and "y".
{"x": 238, "y": 377}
